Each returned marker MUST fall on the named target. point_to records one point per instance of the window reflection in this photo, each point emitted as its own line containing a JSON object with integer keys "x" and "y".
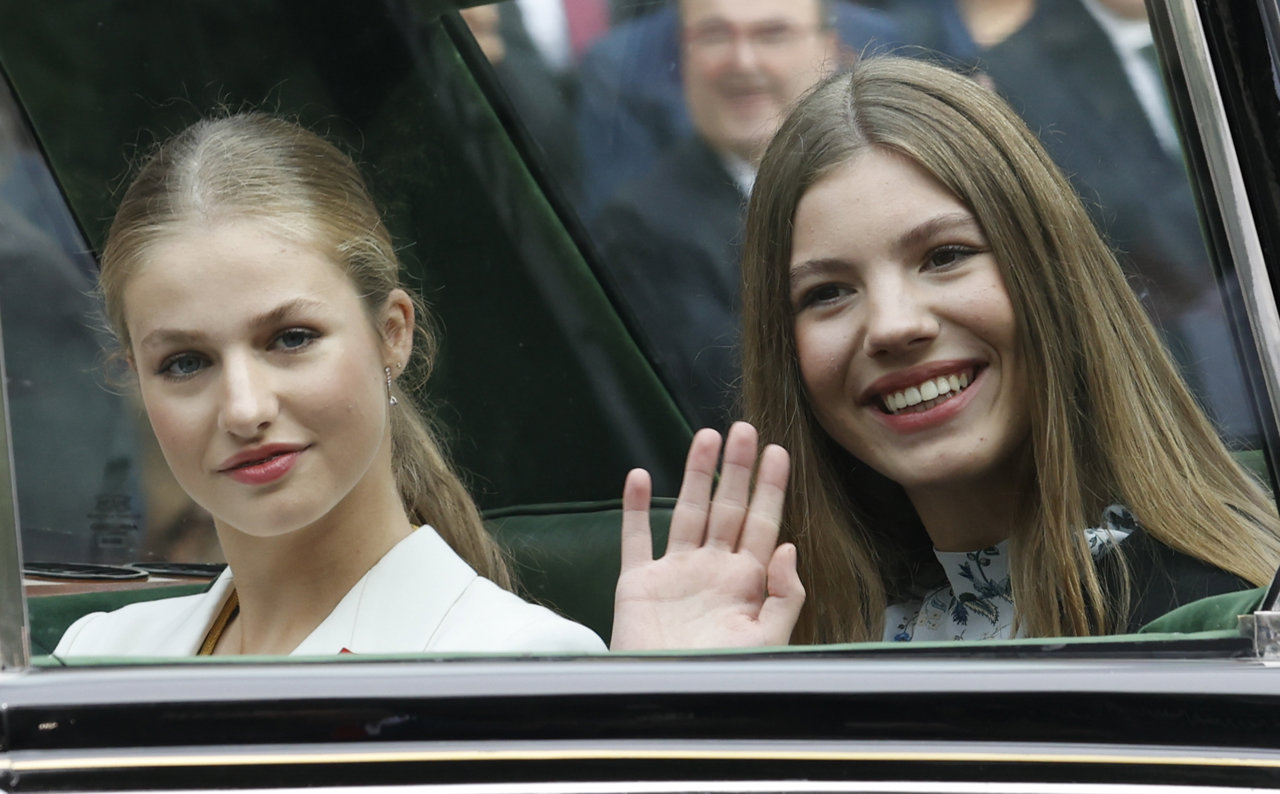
{"x": 74, "y": 446}
{"x": 603, "y": 88}
{"x": 660, "y": 187}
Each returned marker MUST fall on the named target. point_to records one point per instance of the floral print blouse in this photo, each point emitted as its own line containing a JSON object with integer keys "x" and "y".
{"x": 977, "y": 601}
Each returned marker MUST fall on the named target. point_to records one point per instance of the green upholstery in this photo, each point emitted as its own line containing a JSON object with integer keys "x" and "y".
{"x": 51, "y": 615}
{"x": 1208, "y": 614}
{"x": 565, "y": 556}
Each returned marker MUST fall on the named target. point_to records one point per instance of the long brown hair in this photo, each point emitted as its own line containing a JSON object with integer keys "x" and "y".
{"x": 258, "y": 166}
{"x": 1112, "y": 421}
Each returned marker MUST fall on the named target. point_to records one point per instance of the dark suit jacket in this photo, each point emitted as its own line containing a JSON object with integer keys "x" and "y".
{"x": 1161, "y": 579}
{"x": 543, "y": 99}
{"x": 670, "y": 243}
{"x": 1061, "y": 73}
{"x": 631, "y": 100}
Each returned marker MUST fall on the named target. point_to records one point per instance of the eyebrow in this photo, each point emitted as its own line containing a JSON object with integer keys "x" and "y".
{"x": 815, "y": 267}
{"x": 167, "y": 337}
{"x": 718, "y": 22}
{"x": 911, "y": 238}
{"x": 939, "y": 223}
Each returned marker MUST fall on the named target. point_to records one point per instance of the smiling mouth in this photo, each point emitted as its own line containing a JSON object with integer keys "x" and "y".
{"x": 248, "y": 464}
{"x": 926, "y": 394}
{"x": 262, "y": 461}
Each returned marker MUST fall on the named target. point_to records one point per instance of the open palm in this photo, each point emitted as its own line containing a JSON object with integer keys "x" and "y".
{"x": 723, "y": 581}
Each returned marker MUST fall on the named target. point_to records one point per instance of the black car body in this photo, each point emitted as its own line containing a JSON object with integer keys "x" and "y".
{"x": 551, "y": 399}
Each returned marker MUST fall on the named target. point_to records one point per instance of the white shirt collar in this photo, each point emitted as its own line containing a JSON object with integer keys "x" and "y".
{"x": 1128, "y": 38}
{"x": 743, "y": 173}
{"x": 1127, "y": 35}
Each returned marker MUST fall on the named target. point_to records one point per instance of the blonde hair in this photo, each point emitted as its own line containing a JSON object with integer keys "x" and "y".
{"x": 257, "y": 166}
{"x": 1112, "y": 421}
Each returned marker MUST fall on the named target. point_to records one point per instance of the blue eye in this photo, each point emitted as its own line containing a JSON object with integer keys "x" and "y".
{"x": 295, "y": 338}
{"x": 180, "y": 366}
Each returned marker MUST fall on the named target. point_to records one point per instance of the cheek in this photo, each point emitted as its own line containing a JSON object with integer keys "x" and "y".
{"x": 985, "y": 309}
{"x": 992, "y": 310}
{"x": 697, "y": 79}
{"x": 352, "y": 390}
{"x": 163, "y": 414}
{"x": 176, "y": 426}
{"x": 822, "y": 353}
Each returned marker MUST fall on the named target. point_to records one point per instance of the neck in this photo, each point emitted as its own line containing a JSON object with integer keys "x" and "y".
{"x": 972, "y": 516}
{"x": 289, "y": 584}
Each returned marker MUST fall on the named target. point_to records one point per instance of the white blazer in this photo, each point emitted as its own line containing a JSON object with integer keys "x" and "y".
{"x": 419, "y": 597}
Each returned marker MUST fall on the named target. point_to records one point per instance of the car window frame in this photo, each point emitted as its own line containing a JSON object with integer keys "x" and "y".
{"x": 1215, "y": 168}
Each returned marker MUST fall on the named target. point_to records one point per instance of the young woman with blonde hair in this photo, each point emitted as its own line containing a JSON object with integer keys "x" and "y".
{"x": 255, "y": 294}
{"x": 987, "y": 438}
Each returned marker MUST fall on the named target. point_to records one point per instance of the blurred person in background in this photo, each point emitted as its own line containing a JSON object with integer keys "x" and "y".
{"x": 540, "y": 83}
{"x": 669, "y": 239}
{"x": 1083, "y": 75}
{"x": 631, "y": 104}
{"x": 75, "y": 455}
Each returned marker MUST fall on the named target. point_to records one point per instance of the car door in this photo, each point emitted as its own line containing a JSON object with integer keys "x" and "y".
{"x": 551, "y": 391}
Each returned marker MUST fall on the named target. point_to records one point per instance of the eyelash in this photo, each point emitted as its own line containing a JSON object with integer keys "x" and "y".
{"x": 960, "y": 252}
{"x": 166, "y": 368}
{"x": 167, "y": 372}
{"x": 308, "y": 335}
{"x": 815, "y": 296}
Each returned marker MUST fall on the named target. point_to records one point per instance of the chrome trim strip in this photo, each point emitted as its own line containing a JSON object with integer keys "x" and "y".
{"x": 759, "y": 787}
{"x": 1228, "y": 183}
{"x": 23, "y": 762}
{"x": 15, "y": 648}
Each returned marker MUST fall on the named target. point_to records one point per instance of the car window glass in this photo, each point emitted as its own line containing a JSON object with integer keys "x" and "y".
{"x": 545, "y": 175}
{"x": 641, "y": 145}
{"x": 73, "y": 438}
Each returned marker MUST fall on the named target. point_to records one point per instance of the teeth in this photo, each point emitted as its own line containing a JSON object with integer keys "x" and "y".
{"x": 926, "y": 391}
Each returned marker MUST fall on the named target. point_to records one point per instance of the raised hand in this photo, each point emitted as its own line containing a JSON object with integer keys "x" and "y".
{"x": 723, "y": 581}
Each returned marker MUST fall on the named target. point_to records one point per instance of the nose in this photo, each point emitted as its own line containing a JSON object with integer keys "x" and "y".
{"x": 744, "y": 55}
{"x": 249, "y": 403}
{"x": 898, "y": 318}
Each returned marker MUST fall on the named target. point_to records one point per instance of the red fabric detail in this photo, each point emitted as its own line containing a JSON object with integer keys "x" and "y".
{"x": 587, "y": 20}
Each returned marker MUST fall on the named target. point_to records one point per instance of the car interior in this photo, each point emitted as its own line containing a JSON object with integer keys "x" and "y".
{"x": 546, "y": 385}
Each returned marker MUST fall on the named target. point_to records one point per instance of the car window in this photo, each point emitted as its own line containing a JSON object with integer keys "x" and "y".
{"x": 567, "y": 193}
{"x": 517, "y": 311}
{"x": 624, "y": 124}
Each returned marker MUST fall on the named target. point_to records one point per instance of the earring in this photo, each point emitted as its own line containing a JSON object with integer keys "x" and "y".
{"x": 391, "y": 398}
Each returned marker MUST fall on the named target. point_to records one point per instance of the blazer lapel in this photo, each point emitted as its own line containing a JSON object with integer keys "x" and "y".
{"x": 398, "y": 605}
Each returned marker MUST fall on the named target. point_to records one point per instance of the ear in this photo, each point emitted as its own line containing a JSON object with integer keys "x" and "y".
{"x": 396, "y": 324}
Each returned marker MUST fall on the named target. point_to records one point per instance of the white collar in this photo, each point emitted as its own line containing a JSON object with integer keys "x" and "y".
{"x": 742, "y": 172}
{"x": 398, "y": 605}
{"x": 1127, "y": 35}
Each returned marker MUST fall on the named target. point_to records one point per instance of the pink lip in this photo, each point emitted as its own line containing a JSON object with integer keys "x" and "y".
{"x": 261, "y": 465}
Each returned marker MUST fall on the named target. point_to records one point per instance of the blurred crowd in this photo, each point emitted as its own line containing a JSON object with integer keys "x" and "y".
{"x": 652, "y": 115}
